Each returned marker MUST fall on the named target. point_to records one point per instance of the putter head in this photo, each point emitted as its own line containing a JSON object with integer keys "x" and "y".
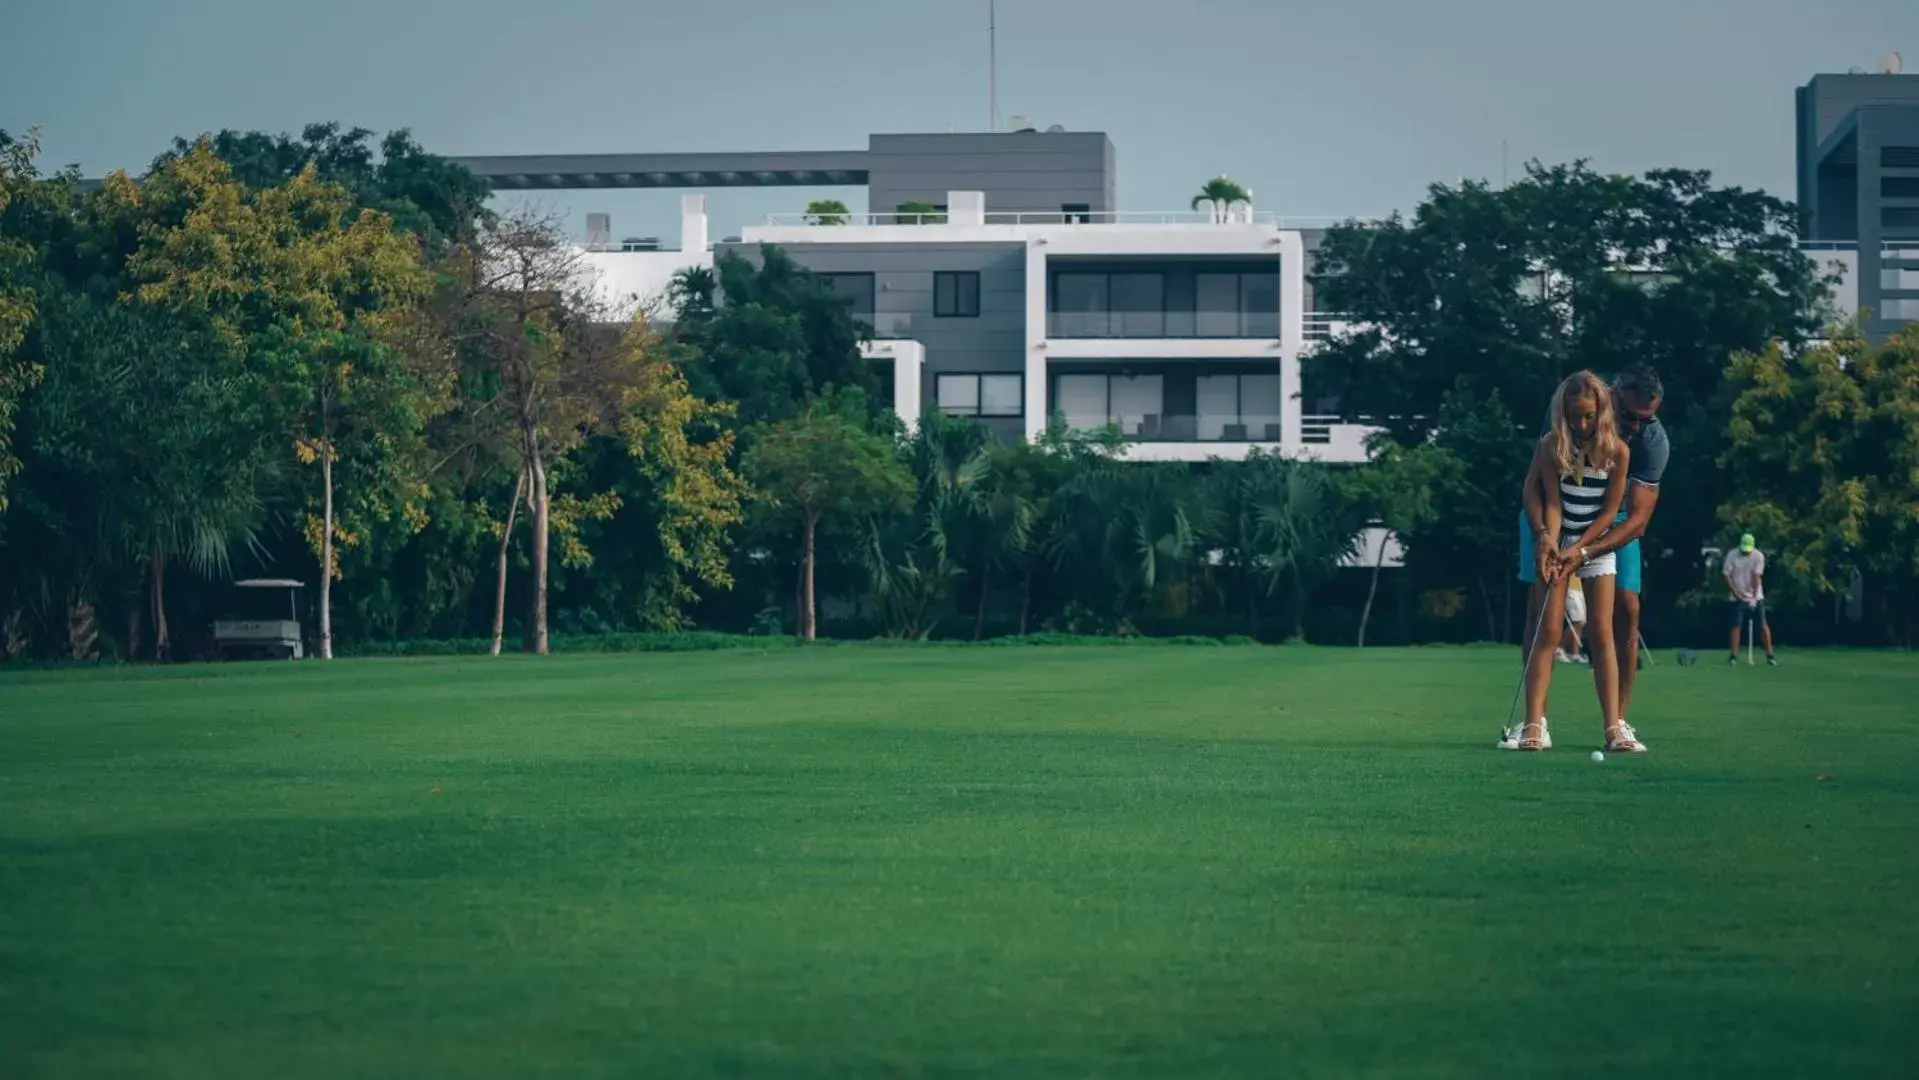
{"x": 1688, "y": 658}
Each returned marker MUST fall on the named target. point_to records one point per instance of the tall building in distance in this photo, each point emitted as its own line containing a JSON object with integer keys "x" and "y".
{"x": 1858, "y": 171}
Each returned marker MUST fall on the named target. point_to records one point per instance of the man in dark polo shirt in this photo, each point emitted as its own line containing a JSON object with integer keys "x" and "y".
{"x": 1637, "y": 395}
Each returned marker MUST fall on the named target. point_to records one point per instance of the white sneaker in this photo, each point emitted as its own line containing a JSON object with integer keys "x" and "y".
{"x": 1509, "y": 738}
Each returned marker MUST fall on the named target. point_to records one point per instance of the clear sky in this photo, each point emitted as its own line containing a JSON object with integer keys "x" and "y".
{"x": 1327, "y": 107}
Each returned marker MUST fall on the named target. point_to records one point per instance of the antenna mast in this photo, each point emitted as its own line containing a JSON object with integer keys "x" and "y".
{"x": 992, "y": 65}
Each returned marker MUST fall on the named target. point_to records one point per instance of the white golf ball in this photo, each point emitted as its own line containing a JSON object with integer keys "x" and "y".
{"x": 1598, "y": 757}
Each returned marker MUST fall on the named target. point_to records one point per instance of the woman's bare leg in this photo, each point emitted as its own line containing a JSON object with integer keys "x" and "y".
{"x": 1605, "y": 652}
{"x": 1539, "y": 670}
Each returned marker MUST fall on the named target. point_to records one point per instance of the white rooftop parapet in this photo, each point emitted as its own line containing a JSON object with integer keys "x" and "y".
{"x": 693, "y": 223}
{"x": 966, "y": 207}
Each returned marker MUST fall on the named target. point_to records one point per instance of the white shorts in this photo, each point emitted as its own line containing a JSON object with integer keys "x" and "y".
{"x": 1606, "y": 565}
{"x": 1575, "y": 606}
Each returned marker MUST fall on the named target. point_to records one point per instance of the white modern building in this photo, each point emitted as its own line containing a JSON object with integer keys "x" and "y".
{"x": 1023, "y": 294}
{"x": 1185, "y": 330}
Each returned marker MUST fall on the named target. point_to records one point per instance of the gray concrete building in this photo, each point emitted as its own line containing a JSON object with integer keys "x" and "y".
{"x": 1027, "y": 171}
{"x": 1858, "y": 172}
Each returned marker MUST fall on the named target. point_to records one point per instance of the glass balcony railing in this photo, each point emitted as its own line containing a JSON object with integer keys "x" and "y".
{"x": 1213, "y": 428}
{"x": 1163, "y": 324}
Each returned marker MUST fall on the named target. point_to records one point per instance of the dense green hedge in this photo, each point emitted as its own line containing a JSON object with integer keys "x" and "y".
{"x": 701, "y": 641}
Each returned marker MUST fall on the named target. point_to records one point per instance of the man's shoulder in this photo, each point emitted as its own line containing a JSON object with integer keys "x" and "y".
{"x": 1651, "y": 436}
{"x": 1650, "y": 450}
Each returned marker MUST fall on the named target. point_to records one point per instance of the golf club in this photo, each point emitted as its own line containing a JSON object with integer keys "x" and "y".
{"x": 1749, "y": 624}
{"x": 1532, "y": 647}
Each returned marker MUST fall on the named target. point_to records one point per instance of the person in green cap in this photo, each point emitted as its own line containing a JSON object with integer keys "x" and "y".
{"x": 1745, "y": 576}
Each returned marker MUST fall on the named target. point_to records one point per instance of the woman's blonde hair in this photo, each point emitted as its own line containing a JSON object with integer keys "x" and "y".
{"x": 1603, "y": 452}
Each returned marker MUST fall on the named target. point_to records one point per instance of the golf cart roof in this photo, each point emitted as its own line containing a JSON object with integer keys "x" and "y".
{"x": 269, "y": 583}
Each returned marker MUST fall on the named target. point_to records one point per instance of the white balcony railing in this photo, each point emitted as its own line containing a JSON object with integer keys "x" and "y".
{"x": 1059, "y": 217}
{"x": 1323, "y": 325}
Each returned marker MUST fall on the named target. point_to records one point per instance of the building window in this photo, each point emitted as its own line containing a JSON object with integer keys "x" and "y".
{"x": 1080, "y": 303}
{"x": 1109, "y": 305}
{"x": 1134, "y": 402}
{"x": 1899, "y": 217}
{"x": 1076, "y": 213}
{"x": 1899, "y": 280}
{"x": 1237, "y": 305}
{"x": 855, "y": 289}
{"x": 1899, "y": 187}
{"x": 1139, "y": 305}
{"x": 1900, "y": 309}
{"x": 956, "y": 294}
{"x": 980, "y": 395}
{"x": 1899, "y": 157}
{"x": 1155, "y": 304}
{"x": 1237, "y": 408}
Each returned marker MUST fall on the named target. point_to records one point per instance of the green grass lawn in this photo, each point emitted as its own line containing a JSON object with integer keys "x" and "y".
{"x": 954, "y": 862}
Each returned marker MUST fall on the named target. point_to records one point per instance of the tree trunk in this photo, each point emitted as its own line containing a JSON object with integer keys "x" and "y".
{"x": 1299, "y": 606}
{"x": 1366, "y": 612}
{"x": 132, "y": 648}
{"x": 1025, "y": 600}
{"x": 161, "y": 645}
{"x": 799, "y": 594}
{"x": 536, "y": 636}
{"x": 506, "y": 539}
{"x": 985, "y": 590}
{"x": 1486, "y": 600}
{"x": 326, "y": 552}
{"x": 808, "y": 613}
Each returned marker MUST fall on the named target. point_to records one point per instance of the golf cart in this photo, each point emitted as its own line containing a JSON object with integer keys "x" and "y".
{"x": 262, "y": 625}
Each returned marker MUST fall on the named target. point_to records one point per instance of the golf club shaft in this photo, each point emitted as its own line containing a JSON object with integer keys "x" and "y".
{"x": 1532, "y": 651}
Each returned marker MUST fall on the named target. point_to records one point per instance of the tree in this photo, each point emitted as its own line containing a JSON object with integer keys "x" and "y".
{"x": 1005, "y": 509}
{"x": 914, "y": 559}
{"x": 1222, "y": 192}
{"x": 697, "y": 499}
{"x": 1306, "y": 525}
{"x": 30, "y": 210}
{"x": 435, "y": 200}
{"x": 819, "y": 464}
{"x": 1123, "y": 537}
{"x": 1823, "y": 462}
{"x": 827, "y": 212}
{"x": 1486, "y": 293}
{"x": 780, "y": 337}
{"x": 1033, "y": 511}
{"x": 323, "y": 298}
{"x": 1398, "y": 488}
{"x": 553, "y": 368}
{"x": 122, "y": 478}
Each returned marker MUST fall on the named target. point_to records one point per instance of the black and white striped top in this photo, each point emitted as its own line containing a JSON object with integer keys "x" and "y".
{"x": 1580, "y": 502}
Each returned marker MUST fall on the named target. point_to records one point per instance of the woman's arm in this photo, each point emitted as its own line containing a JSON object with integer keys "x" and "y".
{"x": 1543, "y": 512}
{"x": 1533, "y": 495}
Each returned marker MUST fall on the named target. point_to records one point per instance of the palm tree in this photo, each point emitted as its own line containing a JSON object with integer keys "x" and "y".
{"x": 827, "y": 212}
{"x": 1004, "y": 509}
{"x": 1222, "y": 192}
{"x": 912, "y": 561}
{"x": 1306, "y": 525}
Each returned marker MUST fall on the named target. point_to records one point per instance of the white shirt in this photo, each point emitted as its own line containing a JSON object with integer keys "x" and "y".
{"x": 1743, "y": 573}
